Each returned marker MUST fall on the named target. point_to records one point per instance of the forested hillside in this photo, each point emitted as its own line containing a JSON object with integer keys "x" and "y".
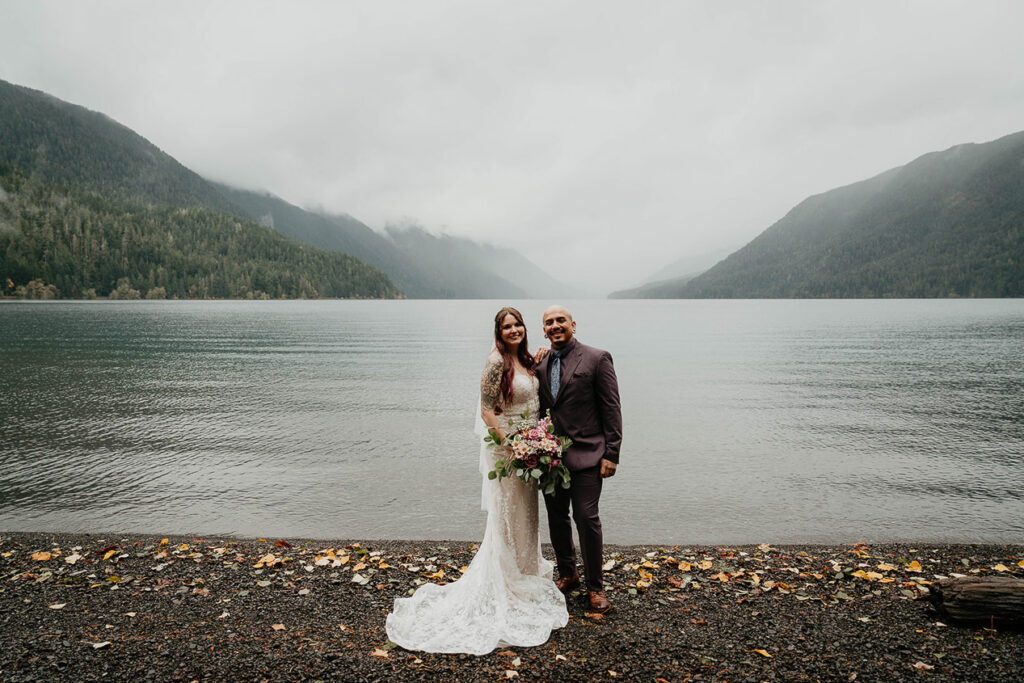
{"x": 85, "y": 245}
{"x": 949, "y": 224}
{"x": 67, "y": 146}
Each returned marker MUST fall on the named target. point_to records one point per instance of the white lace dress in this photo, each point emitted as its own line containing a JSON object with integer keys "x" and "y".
{"x": 506, "y": 597}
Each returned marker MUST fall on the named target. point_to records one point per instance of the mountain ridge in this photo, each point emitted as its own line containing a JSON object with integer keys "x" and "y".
{"x": 948, "y": 223}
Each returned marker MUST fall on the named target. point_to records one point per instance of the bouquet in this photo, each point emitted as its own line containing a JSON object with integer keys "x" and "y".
{"x": 535, "y": 454}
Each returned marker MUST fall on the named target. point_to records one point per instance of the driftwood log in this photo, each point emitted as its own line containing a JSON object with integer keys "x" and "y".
{"x": 989, "y": 600}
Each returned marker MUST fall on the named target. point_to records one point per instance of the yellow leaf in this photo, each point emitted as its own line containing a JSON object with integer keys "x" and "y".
{"x": 438, "y": 575}
{"x": 722, "y": 576}
{"x": 860, "y": 573}
{"x": 263, "y": 540}
{"x": 875, "y": 576}
{"x": 164, "y": 541}
{"x": 384, "y": 565}
{"x": 183, "y": 547}
{"x": 109, "y": 554}
{"x": 882, "y": 566}
{"x": 361, "y": 565}
{"x": 914, "y": 566}
{"x": 41, "y": 556}
{"x": 763, "y": 653}
{"x": 1001, "y": 568}
{"x": 463, "y": 570}
{"x": 685, "y": 566}
{"x": 1021, "y": 563}
{"x": 706, "y": 564}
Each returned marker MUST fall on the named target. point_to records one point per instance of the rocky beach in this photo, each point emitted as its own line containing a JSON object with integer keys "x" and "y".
{"x": 141, "y": 607}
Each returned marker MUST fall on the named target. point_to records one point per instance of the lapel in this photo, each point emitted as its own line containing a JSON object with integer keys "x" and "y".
{"x": 544, "y": 375}
{"x": 569, "y": 365}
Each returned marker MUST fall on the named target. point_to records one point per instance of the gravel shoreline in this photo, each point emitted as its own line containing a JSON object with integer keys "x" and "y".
{"x": 140, "y": 607}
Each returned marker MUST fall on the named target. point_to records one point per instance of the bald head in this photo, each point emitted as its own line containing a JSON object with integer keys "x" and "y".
{"x": 559, "y": 327}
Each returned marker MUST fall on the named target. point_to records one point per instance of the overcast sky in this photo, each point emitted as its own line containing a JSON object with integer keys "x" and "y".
{"x": 603, "y": 139}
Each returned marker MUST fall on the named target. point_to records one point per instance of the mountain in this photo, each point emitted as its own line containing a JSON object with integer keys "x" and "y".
{"x": 71, "y": 146}
{"x": 77, "y": 243}
{"x": 423, "y": 265}
{"x": 68, "y": 146}
{"x": 679, "y": 272}
{"x": 948, "y": 224}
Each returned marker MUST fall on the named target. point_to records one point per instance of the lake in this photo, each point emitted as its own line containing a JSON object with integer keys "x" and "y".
{"x": 744, "y": 421}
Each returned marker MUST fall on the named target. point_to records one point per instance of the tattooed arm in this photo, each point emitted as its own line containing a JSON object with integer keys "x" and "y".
{"x": 490, "y": 394}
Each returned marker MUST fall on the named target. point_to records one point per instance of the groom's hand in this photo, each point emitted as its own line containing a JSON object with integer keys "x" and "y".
{"x": 607, "y": 468}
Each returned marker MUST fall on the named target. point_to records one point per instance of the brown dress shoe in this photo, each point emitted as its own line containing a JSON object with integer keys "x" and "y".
{"x": 599, "y": 601}
{"x": 567, "y": 583}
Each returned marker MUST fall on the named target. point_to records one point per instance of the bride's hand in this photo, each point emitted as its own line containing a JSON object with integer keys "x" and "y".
{"x": 541, "y": 352}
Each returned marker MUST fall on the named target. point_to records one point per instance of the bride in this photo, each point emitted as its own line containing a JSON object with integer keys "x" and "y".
{"x": 506, "y": 596}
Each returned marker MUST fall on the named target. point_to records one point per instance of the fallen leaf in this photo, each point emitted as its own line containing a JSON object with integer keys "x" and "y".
{"x": 304, "y": 591}
{"x": 58, "y": 605}
{"x": 921, "y": 666}
{"x": 97, "y": 646}
{"x": 596, "y": 616}
{"x": 383, "y": 654}
{"x": 560, "y": 658}
{"x": 882, "y": 566}
{"x": 706, "y": 564}
{"x": 41, "y": 556}
{"x": 608, "y": 566}
{"x": 72, "y": 558}
{"x": 109, "y": 554}
{"x": 130, "y": 614}
{"x": 278, "y": 627}
{"x": 183, "y": 547}
{"x": 281, "y": 543}
{"x": 510, "y": 674}
{"x": 223, "y": 615}
{"x": 164, "y": 541}
{"x": 914, "y": 566}
{"x": 764, "y": 653}
{"x": 1001, "y": 568}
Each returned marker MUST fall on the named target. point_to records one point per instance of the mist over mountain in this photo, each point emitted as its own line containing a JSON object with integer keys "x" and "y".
{"x": 73, "y": 150}
{"x": 665, "y": 280}
{"x": 421, "y": 264}
{"x": 948, "y": 224}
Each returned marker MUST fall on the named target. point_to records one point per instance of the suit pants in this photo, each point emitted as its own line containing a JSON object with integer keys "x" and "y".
{"x": 582, "y": 495}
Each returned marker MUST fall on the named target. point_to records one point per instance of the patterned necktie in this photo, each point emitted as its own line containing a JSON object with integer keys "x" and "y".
{"x": 556, "y": 373}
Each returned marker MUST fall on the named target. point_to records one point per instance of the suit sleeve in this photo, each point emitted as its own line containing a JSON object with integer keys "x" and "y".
{"x": 607, "y": 396}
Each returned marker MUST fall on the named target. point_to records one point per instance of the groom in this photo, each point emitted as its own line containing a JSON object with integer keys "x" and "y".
{"x": 578, "y": 386}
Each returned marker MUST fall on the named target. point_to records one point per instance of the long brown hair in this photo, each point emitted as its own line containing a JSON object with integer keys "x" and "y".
{"x": 508, "y": 365}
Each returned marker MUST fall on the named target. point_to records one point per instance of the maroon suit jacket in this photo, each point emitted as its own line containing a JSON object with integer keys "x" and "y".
{"x": 587, "y": 408}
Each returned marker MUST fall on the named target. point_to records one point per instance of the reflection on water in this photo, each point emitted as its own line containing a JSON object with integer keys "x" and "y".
{"x": 744, "y": 420}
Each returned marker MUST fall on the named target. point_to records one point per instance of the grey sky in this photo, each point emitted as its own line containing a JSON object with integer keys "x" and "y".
{"x": 603, "y": 139}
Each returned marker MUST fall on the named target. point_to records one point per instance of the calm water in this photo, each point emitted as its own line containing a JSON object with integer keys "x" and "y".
{"x": 745, "y": 421}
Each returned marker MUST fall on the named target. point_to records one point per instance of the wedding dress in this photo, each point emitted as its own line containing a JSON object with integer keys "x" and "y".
{"x": 506, "y": 596}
